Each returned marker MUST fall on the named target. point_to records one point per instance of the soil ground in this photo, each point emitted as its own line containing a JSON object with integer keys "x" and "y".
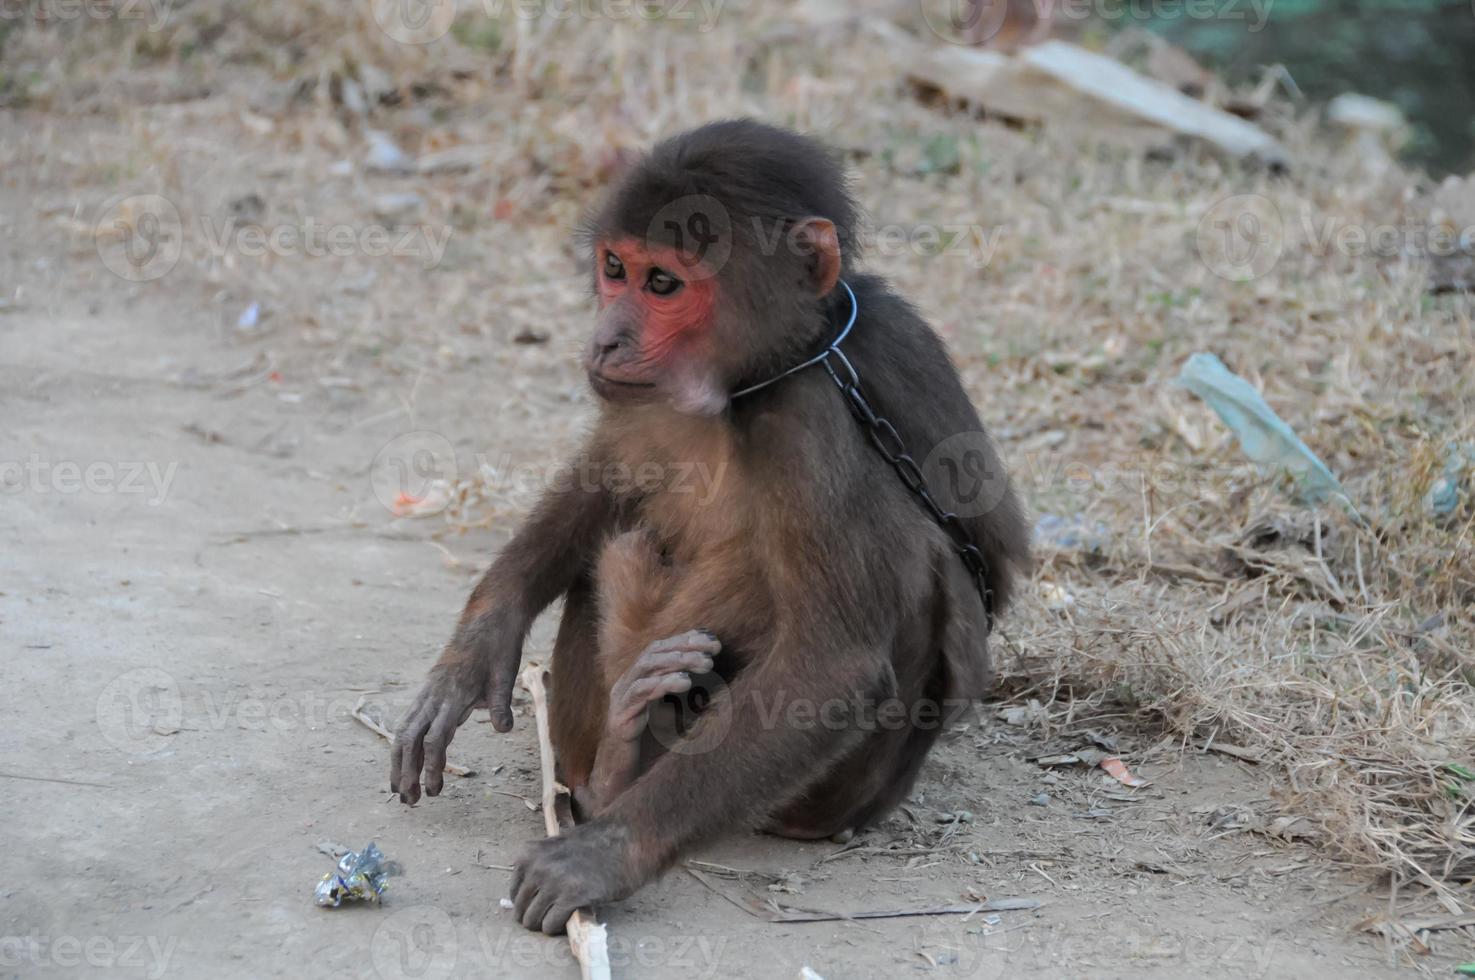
{"x": 186, "y": 631}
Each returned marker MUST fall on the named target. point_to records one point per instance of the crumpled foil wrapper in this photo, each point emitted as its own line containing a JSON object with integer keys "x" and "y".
{"x": 361, "y": 877}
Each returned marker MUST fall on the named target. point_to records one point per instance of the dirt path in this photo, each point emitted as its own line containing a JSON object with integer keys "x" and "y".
{"x": 199, "y": 583}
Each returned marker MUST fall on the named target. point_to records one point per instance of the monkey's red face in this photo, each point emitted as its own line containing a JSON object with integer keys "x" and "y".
{"x": 653, "y": 339}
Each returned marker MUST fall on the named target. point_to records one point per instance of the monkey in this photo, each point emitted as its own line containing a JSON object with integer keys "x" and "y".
{"x": 812, "y": 596}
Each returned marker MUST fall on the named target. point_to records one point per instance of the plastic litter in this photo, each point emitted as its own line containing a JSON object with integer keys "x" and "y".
{"x": 1443, "y": 497}
{"x": 250, "y": 317}
{"x": 1073, "y": 533}
{"x": 384, "y": 156}
{"x": 1263, "y": 435}
{"x": 361, "y": 877}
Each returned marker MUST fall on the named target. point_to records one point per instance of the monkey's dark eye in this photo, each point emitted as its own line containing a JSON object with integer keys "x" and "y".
{"x": 613, "y": 267}
{"x": 662, "y": 283}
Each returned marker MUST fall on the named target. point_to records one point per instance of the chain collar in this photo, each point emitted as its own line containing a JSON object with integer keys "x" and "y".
{"x": 834, "y": 348}
{"x": 884, "y": 437}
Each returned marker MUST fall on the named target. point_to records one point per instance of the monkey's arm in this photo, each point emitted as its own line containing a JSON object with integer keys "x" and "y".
{"x": 480, "y": 662}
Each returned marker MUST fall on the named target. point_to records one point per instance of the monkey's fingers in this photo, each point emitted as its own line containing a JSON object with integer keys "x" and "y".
{"x": 649, "y": 689}
{"x": 499, "y": 694}
{"x": 524, "y": 889}
{"x": 701, "y": 640}
{"x": 556, "y": 919}
{"x": 538, "y": 907}
{"x": 407, "y": 754}
{"x": 441, "y": 731}
{"x": 627, "y": 715}
{"x": 649, "y": 665}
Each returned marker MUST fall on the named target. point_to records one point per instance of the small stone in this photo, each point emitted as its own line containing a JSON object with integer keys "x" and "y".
{"x": 384, "y": 156}
{"x": 390, "y": 207}
{"x": 1042, "y": 800}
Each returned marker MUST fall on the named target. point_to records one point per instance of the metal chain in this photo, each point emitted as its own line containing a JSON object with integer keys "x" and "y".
{"x": 888, "y": 443}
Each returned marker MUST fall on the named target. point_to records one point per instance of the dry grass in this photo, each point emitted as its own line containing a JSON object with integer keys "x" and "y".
{"x": 1340, "y": 653}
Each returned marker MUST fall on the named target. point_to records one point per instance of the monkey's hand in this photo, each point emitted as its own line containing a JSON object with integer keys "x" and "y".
{"x": 589, "y": 865}
{"x": 456, "y": 685}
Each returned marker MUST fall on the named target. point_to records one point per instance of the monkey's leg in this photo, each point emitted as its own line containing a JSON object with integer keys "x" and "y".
{"x": 577, "y": 694}
{"x": 864, "y": 787}
{"x": 665, "y": 667}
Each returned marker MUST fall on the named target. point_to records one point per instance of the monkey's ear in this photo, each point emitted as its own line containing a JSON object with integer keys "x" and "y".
{"x": 820, "y": 245}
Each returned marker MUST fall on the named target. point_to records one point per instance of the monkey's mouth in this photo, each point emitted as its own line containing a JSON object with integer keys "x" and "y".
{"x": 613, "y": 389}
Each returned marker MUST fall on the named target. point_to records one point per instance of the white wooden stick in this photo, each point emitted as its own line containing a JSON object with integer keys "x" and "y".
{"x": 586, "y": 934}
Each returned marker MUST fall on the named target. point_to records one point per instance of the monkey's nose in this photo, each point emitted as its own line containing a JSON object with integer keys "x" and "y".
{"x": 604, "y": 348}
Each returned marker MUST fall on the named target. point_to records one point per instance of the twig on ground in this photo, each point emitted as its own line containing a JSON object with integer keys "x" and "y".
{"x": 586, "y": 934}
{"x": 774, "y": 912}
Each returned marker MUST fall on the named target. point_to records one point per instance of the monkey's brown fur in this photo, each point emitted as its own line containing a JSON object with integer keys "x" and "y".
{"x": 825, "y": 581}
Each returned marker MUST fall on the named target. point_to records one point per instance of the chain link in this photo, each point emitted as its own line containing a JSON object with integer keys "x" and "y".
{"x": 888, "y": 443}
{"x": 887, "y": 440}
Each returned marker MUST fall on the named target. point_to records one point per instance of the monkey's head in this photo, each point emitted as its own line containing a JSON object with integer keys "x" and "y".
{"x": 716, "y": 260}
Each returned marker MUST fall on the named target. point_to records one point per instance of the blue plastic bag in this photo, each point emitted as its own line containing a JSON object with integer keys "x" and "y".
{"x": 1263, "y": 435}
